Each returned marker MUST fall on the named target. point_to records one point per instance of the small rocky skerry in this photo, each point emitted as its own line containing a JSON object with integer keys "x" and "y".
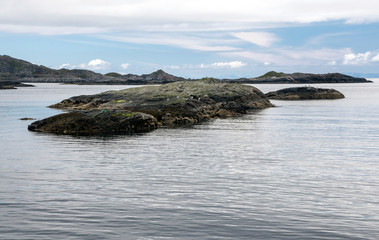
{"x": 146, "y": 108}
{"x": 304, "y": 93}
{"x": 13, "y": 85}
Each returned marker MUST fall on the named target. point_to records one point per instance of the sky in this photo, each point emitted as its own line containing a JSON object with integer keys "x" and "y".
{"x": 194, "y": 38}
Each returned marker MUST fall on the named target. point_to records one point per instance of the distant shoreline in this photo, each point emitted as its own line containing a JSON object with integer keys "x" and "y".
{"x": 15, "y": 71}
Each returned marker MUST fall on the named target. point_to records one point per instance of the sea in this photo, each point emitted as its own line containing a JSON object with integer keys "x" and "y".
{"x": 300, "y": 170}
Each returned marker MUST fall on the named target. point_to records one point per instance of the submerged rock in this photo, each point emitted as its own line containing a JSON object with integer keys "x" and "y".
{"x": 96, "y": 122}
{"x": 304, "y": 93}
{"x": 26, "y": 119}
{"x": 174, "y": 104}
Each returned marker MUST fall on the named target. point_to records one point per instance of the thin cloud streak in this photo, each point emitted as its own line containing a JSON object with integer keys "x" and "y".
{"x": 187, "y": 42}
{"x": 293, "y": 56}
{"x": 264, "y": 39}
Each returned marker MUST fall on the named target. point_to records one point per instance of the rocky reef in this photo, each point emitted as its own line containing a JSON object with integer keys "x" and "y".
{"x": 12, "y": 85}
{"x": 173, "y": 104}
{"x": 304, "y": 93}
{"x": 96, "y": 122}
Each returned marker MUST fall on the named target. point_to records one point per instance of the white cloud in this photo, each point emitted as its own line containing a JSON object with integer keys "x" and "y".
{"x": 200, "y": 43}
{"x": 332, "y": 63}
{"x": 215, "y": 65}
{"x": 234, "y": 64}
{"x": 66, "y": 65}
{"x": 95, "y": 64}
{"x": 125, "y": 65}
{"x": 356, "y": 59}
{"x": 174, "y": 67}
{"x": 263, "y": 39}
{"x": 375, "y": 58}
{"x": 293, "y": 56}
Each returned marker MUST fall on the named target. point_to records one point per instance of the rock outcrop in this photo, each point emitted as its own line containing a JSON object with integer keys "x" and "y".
{"x": 174, "y": 104}
{"x": 304, "y": 93}
{"x": 96, "y": 122}
{"x": 12, "y": 85}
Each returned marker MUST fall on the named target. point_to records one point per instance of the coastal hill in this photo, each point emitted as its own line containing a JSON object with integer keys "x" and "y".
{"x": 17, "y": 70}
{"x": 299, "y": 78}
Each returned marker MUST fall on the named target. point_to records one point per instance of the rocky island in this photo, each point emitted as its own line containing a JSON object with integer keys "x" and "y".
{"x": 273, "y": 77}
{"x": 146, "y": 108}
{"x": 17, "y": 70}
{"x": 304, "y": 93}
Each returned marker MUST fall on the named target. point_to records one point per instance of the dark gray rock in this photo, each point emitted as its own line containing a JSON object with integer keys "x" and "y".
{"x": 96, "y": 122}
{"x": 27, "y": 119}
{"x": 304, "y": 93}
{"x": 13, "y": 85}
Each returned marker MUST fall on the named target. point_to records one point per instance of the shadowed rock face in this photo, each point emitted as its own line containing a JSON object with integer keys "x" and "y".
{"x": 96, "y": 122}
{"x": 174, "y": 104}
{"x": 304, "y": 93}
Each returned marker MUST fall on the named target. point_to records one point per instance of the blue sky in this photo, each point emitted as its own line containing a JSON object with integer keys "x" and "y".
{"x": 197, "y": 38}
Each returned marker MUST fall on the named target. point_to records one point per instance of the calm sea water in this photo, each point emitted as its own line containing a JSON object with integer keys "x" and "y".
{"x": 301, "y": 170}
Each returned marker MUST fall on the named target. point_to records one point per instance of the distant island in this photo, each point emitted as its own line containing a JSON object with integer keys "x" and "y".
{"x": 273, "y": 77}
{"x": 14, "y": 71}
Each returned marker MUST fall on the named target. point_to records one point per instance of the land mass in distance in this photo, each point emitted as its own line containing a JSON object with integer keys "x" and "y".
{"x": 15, "y": 71}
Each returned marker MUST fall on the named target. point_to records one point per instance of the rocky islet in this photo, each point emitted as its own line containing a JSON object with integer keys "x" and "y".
{"x": 304, "y": 93}
{"x": 175, "y": 104}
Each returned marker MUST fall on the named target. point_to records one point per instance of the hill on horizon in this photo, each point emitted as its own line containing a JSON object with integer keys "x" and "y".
{"x": 17, "y": 70}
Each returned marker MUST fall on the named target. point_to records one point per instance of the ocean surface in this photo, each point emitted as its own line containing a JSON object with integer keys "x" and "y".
{"x": 301, "y": 170}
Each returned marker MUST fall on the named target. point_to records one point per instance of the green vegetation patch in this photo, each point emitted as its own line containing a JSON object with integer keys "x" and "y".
{"x": 119, "y": 101}
{"x": 113, "y": 74}
{"x": 273, "y": 74}
{"x": 125, "y": 115}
